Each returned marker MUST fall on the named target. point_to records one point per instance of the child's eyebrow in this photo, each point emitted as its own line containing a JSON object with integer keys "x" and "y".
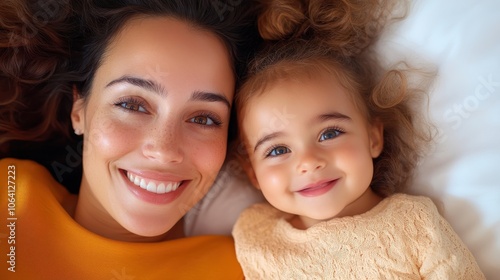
{"x": 266, "y": 138}
{"x": 332, "y": 116}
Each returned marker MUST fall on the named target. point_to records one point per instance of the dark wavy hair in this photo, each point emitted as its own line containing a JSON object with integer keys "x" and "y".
{"x": 311, "y": 37}
{"x": 48, "y": 48}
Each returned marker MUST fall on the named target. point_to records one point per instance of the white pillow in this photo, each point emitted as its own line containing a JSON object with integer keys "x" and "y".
{"x": 462, "y": 176}
{"x": 217, "y": 212}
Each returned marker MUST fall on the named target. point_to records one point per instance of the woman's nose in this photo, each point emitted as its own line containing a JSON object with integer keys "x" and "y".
{"x": 164, "y": 144}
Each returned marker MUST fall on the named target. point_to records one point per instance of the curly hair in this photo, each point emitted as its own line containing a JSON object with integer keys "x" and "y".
{"x": 48, "y": 49}
{"x": 335, "y": 37}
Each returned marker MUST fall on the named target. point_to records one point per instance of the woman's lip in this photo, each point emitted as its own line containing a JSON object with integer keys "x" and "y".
{"x": 318, "y": 188}
{"x": 153, "y": 175}
{"x": 151, "y": 197}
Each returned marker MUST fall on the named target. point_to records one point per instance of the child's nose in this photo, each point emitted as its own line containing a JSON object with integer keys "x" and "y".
{"x": 310, "y": 161}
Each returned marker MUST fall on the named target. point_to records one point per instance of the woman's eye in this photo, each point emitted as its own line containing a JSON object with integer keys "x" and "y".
{"x": 205, "y": 120}
{"x": 132, "y": 106}
{"x": 276, "y": 151}
{"x": 329, "y": 134}
{"x": 202, "y": 120}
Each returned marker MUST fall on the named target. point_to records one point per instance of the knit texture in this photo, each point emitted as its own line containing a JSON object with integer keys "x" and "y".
{"x": 403, "y": 237}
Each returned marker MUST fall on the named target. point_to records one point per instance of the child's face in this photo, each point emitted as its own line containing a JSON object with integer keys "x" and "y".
{"x": 311, "y": 149}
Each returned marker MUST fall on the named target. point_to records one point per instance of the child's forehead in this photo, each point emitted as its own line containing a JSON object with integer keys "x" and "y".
{"x": 310, "y": 77}
{"x": 306, "y": 68}
{"x": 305, "y": 73}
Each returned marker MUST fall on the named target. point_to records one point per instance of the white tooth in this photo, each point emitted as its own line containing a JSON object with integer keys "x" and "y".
{"x": 129, "y": 176}
{"x": 161, "y": 188}
{"x": 137, "y": 181}
{"x": 168, "y": 188}
{"x": 151, "y": 187}
{"x": 143, "y": 184}
{"x": 174, "y": 186}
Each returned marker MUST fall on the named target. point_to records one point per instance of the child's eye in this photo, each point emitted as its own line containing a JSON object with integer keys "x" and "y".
{"x": 206, "y": 119}
{"x": 278, "y": 150}
{"x": 330, "y": 133}
{"x": 132, "y": 104}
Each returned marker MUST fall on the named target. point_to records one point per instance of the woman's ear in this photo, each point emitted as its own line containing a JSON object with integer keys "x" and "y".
{"x": 376, "y": 138}
{"x": 77, "y": 113}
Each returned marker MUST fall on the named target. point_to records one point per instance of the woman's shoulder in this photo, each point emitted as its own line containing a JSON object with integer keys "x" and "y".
{"x": 22, "y": 176}
{"x": 20, "y": 163}
{"x": 29, "y": 168}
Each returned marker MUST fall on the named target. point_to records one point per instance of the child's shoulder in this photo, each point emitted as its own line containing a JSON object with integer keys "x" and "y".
{"x": 259, "y": 212}
{"x": 409, "y": 200}
{"x": 258, "y": 219}
{"x": 411, "y": 205}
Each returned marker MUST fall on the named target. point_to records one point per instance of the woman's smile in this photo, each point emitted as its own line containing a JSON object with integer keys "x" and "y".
{"x": 151, "y": 185}
{"x": 154, "y": 191}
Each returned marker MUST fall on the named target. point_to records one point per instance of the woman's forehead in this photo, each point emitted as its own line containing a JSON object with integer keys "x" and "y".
{"x": 168, "y": 52}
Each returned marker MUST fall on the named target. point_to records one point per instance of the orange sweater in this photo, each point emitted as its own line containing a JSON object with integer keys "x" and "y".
{"x": 39, "y": 240}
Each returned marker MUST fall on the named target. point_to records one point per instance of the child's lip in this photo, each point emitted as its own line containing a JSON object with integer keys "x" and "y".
{"x": 317, "y": 188}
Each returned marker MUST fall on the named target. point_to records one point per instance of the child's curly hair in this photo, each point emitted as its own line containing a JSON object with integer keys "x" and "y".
{"x": 306, "y": 38}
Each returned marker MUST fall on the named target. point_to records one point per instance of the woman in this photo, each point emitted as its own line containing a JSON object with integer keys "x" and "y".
{"x": 149, "y": 85}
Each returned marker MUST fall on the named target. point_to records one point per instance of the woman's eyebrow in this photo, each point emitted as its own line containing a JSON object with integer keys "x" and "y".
{"x": 155, "y": 87}
{"x": 210, "y": 97}
{"x": 148, "y": 85}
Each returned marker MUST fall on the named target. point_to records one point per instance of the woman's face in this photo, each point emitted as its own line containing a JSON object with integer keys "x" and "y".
{"x": 155, "y": 127}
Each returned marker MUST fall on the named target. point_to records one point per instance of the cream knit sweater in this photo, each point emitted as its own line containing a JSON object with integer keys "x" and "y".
{"x": 403, "y": 237}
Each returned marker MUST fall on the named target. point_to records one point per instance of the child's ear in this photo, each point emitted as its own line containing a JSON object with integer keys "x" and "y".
{"x": 77, "y": 112}
{"x": 376, "y": 138}
{"x": 244, "y": 160}
{"x": 251, "y": 174}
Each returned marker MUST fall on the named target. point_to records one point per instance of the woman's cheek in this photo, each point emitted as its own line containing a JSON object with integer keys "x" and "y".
{"x": 210, "y": 155}
{"x": 109, "y": 137}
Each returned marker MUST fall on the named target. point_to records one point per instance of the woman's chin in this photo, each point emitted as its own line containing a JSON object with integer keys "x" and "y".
{"x": 146, "y": 235}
